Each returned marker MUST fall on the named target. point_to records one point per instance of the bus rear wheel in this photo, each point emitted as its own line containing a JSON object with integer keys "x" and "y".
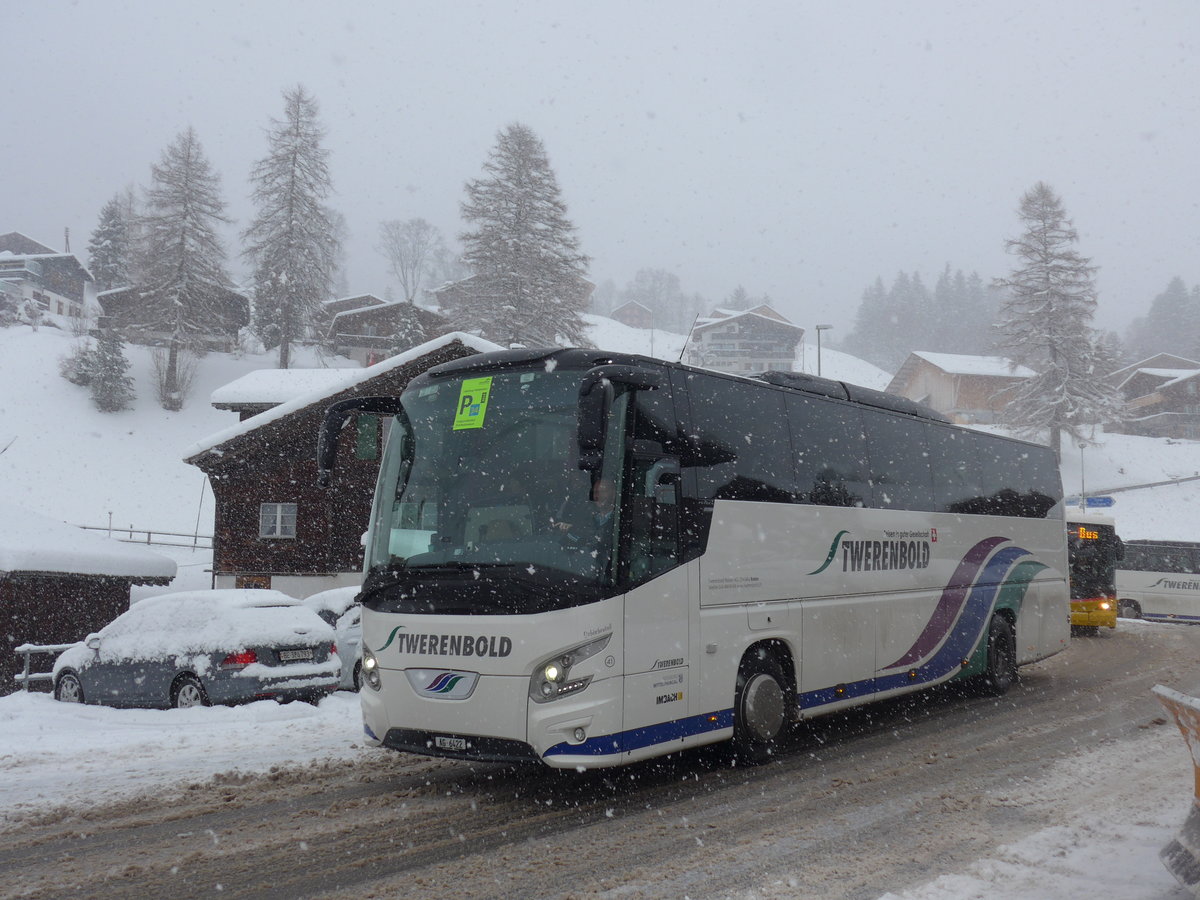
{"x": 760, "y": 709}
{"x": 1128, "y": 609}
{"x": 1001, "y": 671}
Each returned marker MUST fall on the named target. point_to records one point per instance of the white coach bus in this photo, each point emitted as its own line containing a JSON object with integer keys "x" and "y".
{"x": 1160, "y": 581}
{"x": 780, "y": 547}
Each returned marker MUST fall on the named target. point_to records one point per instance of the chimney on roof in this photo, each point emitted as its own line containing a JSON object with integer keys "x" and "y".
{"x": 67, "y": 239}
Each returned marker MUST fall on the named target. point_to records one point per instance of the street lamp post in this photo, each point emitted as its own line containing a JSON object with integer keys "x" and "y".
{"x": 1082, "y": 482}
{"x": 820, "y": 328}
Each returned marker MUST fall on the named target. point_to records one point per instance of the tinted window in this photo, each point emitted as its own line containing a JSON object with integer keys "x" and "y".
{"x": 982, "y": 474}
{"x": 957, "y": 480}
{"x": 830, "y": 452}
{"x": 740, "y": 442}
{"x": 900, "y": 473}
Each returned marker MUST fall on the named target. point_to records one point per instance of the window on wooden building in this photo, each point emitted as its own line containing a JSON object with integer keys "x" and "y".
{"x": 277, "y": 520}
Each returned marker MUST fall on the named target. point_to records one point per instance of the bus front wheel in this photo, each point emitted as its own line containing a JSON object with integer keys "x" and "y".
{"x": 760, "y": 711}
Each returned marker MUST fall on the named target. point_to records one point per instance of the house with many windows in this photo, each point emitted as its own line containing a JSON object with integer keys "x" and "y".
{"x": 40, "y": 281}
{"x": 274, "y": 526}
{"x": 743, "y": 341}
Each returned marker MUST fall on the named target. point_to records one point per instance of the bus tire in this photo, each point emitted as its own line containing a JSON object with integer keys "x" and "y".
{"x": 1001, "y": 671}
{"x": 1129, "y": 609}
{"x": 760, "y": 709}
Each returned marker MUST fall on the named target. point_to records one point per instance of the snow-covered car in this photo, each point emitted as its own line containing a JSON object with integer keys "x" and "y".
{"x": 339, "y": 608}
{"x": 198, "y": 648}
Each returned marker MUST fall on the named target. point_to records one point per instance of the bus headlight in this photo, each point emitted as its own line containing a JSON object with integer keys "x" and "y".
{"x": 370, "y": 669}
{"x": 552, "y": 678}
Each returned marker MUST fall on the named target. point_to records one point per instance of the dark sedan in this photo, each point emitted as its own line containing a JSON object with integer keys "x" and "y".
{"x": 203, "y": 647}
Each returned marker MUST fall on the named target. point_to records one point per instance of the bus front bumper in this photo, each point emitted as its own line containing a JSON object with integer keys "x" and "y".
{"x": 580, "y": 731}
{"x": 1094, "y": 613}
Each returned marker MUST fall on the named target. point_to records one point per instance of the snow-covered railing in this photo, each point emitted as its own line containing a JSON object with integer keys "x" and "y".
{"x": 133, "y": 535}
{"x": 24, "y": 677}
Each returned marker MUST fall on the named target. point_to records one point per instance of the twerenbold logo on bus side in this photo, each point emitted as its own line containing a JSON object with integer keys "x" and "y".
{"x": 910, "y": 550}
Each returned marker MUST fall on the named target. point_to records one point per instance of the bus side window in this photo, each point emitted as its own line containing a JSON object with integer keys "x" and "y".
{"x": 956, "y": 471}
{"x": 830, "y": 452}
{"x": 744, "y": 430}
{"x": 900, "y": 473}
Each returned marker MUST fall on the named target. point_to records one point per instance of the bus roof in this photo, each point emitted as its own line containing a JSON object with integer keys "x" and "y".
{"x": 583, "y": 359}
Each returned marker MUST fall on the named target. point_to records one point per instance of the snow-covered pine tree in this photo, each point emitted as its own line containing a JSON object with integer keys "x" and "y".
{"x": 410, "y": 248}
{"x": 110, "y": 248}
{"x": 1045, "y": 324}
{"x": 291, "y": 241}
{"x": 185, "y": 284}
{"x": 112, "y": 388}
{"x": 529, "y": 284}
{"x": 409, "y": 330}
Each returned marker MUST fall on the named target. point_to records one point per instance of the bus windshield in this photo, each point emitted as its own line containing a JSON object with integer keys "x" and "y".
{"x": 480, "y": 482}
{"x": 1093, "y": 550}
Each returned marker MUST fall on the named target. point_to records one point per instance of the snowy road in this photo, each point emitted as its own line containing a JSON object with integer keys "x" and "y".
{"x": 862, "y": 805}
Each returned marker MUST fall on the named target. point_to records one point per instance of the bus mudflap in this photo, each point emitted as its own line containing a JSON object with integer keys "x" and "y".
{"x": 1182, "y": 855}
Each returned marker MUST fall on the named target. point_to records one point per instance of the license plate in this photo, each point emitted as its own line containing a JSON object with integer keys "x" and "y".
{"x": 449, "y": 743}
{"x": 293, "y": 655}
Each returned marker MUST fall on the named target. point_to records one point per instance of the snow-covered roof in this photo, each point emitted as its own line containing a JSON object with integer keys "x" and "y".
{"x": 964, "y": 364}
{"x": 30, "y": 542}
{"x": 1165, "y": 376}
{"x": 350, "y": 378}
{"x": 276, "y": 386}
{"x": 741, "y": 314}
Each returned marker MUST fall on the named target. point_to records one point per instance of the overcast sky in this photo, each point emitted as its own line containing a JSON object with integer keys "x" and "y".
{"x": 798, "y": 149}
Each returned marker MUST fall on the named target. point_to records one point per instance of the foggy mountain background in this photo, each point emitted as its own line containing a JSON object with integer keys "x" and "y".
{"x": 797, "y": 150}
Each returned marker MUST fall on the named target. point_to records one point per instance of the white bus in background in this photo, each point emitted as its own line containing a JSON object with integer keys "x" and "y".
{"x": 1160, "y": 580}
{"x": 781, "y": 547}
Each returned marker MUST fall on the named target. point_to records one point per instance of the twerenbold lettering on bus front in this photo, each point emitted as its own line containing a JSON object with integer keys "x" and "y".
{"x": 453, "y": 645}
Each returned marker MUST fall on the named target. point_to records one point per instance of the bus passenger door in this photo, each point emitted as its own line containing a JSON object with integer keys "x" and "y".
{"x": 657, "y": 604}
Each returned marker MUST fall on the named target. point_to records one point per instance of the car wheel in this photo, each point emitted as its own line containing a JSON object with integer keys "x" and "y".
{"x": 1001, "y": 672}
{"x": 1128, "y": 609}
{"x": 760, "y": 709}
{"x": 187, "y": 692}
{"x": 358, "y": 675}
{"x": 68, "y": 688}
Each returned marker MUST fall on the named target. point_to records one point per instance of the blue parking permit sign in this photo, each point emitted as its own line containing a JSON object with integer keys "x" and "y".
{"x": 1099, "y": 502}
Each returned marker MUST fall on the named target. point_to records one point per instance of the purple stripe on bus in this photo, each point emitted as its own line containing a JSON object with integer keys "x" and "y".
{"x": 950, "y": 604}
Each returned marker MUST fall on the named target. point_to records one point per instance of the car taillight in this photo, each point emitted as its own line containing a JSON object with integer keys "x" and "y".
{"x": 332, "y": 649}
{"x": 239, "y": 660}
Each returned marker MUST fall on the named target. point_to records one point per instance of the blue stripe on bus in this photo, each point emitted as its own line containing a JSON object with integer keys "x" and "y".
{"x": 1169, "y": 617}
{"x": 637, "y": 738}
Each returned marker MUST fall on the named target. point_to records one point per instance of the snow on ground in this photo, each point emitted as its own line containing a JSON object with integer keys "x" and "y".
{"x": 72, "y": 463}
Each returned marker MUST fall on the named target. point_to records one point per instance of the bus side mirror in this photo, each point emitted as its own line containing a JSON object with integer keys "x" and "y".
{"x": 337, "y": 417}
{"x": 595, "y": 400}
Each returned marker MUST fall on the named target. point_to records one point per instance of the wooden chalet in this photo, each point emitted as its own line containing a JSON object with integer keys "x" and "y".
{"x": 274, "y": 527}
{"x": 634, "y": 314}
{"x": 122, "y": 306}
{"x": 367, "y": 333}
{"x": 1162, "y": 397}
{"x": 968, "y": 389}
{"x": 59, "y": 583}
